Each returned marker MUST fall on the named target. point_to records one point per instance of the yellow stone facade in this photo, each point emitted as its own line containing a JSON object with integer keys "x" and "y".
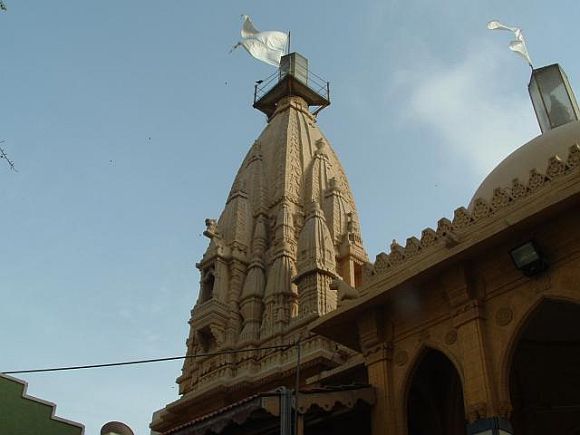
{"x": 429, "y": 339}
{"x": 457, "y": 291}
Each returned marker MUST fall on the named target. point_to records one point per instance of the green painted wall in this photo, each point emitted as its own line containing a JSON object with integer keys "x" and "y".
{"x": 27, "y": 416}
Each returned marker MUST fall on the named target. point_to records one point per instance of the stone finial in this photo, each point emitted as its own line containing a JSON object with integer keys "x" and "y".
{"x": 210, "y": 228}
{"x": 320, "y": 144}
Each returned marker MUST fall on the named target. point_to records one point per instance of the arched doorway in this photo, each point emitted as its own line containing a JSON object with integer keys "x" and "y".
{"x": 545, "y": 372}
{"x": 435, "y": 398}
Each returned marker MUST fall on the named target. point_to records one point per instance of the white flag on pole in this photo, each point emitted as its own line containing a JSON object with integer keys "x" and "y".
{"x": 268, "y": 46}
{"x": 519, "y": 44}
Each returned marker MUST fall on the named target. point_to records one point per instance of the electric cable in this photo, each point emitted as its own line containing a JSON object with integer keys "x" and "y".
{"x": 145, "y": 361}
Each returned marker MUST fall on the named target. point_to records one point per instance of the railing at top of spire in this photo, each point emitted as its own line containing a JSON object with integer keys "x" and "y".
{"x": 295, "y": 67}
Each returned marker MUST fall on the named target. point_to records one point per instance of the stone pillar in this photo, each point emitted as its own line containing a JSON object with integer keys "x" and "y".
{"x": 479, "y": 384}
{"x": 375, "y": 337}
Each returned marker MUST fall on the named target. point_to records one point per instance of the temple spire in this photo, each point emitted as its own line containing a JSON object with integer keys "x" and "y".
{"x": 289, "y": 229}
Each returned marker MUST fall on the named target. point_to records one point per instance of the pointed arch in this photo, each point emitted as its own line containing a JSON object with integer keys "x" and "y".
{"x": 543, "y": 367}
{"x": 518, "y": 329}
{"x": 433, "y": 395}
{"x": 416, "y": 358}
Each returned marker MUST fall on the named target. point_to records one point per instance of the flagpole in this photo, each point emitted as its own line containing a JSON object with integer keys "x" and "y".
{"x": 288, "y": 52}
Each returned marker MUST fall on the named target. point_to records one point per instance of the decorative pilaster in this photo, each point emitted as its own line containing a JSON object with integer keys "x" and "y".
{"x": 252, "y": 304}
{"x": 280, "y": 295}
{"x": 316, "y": 266}
{"x": 478, "y": 388}
{"x": 375, "y": 338}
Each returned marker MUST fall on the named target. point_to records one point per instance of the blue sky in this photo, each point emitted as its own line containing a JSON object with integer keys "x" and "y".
{"x": 127, "y": 121}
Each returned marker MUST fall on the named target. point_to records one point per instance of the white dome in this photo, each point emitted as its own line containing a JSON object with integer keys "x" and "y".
{"x": 532, "y": 155}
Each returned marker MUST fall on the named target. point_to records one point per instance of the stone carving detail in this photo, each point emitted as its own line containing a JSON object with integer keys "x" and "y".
{"x": 451, "y": 337}
{"x": 210, "y": 228}
{"x": 412, "y": 247}
{"x": 463, "y": 219}
{"x": 382, "y": 263}
{"x": 256, "y": 291}
{"x": 501, "y": 198}
{"x": 444, "y": 226}
{"x": 397, "y": 255}
{"x": 481, "y": 209}
{"x": 518, "y": 189}
{"x": 504, "y": 316}
{"x": 428, "y": 237}
{"x": 574, "y": 156}
{"x": 344, "y": 292}
{"x": 556, "y": 167}
{"x": 316, "y": 265}
{"x": 536, "y": 180}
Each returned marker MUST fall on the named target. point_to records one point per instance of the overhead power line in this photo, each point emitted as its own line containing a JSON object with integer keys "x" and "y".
{"x": 145, "y": 361}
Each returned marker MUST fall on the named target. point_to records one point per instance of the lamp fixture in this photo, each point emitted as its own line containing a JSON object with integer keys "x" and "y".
{"x": 552, "y": 97}
{"x": 528, "y": 258}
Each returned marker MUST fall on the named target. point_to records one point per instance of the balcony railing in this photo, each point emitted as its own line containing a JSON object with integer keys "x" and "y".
{"x": 298, "y": 72}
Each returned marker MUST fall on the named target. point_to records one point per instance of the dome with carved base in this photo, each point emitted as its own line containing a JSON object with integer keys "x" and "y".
{"x": 533, "y": 155}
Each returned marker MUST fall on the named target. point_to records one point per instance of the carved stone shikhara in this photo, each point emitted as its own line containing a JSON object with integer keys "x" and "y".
{"x": 288, "y": 230}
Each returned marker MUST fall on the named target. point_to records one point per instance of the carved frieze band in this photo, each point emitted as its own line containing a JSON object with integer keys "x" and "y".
{"x": 446, "y": 232}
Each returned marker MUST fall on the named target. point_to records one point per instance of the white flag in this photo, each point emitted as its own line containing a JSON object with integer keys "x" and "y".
{"x": 268, "y": 46}
{"x": 519, "y": 44}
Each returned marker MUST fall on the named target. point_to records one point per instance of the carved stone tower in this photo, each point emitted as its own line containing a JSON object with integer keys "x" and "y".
{"x": 288, "y": 230}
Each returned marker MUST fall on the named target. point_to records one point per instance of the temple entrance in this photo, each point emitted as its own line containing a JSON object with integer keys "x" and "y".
{"x": 545, "y": 372}
{"x": 435, "y": 398}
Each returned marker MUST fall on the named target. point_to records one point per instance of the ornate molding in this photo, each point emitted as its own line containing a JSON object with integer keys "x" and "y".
{"x": 451, "y": 337}
{"x": 504, "y": 316}
{"x": 464, "y": 220}
{"x": 379, "y": 352}
{"x": 467, "y": 312}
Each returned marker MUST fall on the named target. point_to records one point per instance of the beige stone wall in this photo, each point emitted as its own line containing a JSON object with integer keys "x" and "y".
{"x": 473, "y": 311}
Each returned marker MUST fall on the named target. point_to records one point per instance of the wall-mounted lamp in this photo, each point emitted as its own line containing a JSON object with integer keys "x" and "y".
{"x": 529, "y": 259}
{"x": 490, "y": 426}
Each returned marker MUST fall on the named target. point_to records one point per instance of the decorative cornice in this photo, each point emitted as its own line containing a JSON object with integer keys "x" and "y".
{"x": 464, "y": 220}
